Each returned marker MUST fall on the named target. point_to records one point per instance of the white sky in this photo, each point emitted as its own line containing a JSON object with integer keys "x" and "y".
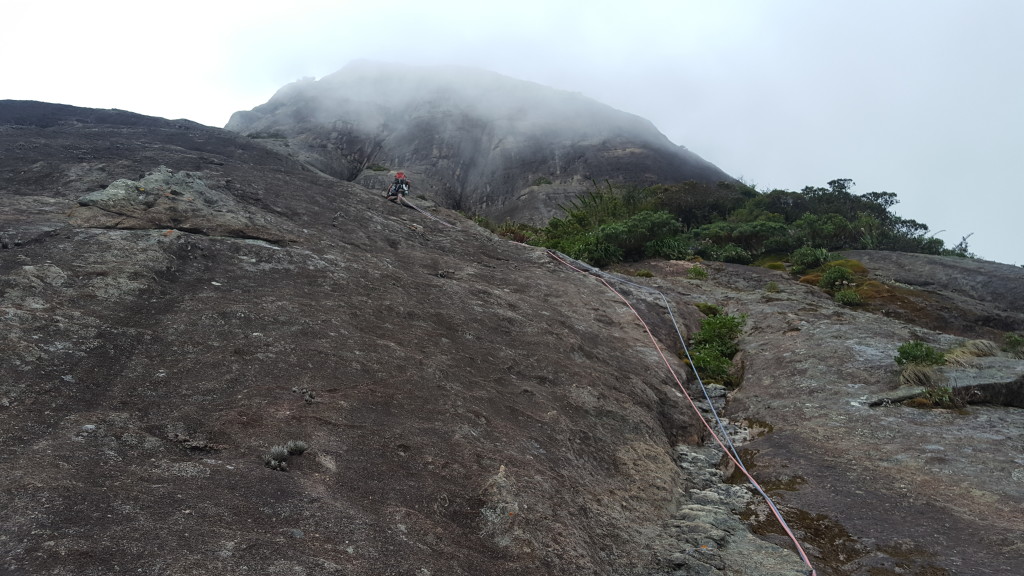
{"x": 924, "y": 98}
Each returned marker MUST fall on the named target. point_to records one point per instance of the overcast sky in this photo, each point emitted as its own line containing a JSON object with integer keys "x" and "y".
{"x": 924, "y": 98}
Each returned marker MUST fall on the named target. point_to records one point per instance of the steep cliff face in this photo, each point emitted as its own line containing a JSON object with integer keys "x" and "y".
{"x": 474, "y": 140}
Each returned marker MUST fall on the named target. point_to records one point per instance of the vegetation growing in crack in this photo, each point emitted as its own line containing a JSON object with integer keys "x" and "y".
{"x": 713, "y": 347}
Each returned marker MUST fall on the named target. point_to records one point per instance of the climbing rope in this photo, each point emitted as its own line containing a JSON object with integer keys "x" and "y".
{"x": 729, "y": 451}
{"x": 405, "y": 202}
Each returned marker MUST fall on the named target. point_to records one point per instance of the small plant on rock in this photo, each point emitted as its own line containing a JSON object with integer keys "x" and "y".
{"x": 836, "y": 278}
{"x": 709, "y": 309}
{"x": 698, "y": 272}
{"x": 917, "y": 352}
{"x": 1014, "y": 345}
{"x": 848, "y": 297}
{"x": 772, "y": 287}
{"x": 643, "y": 273}
{"x": 296, "y": 447}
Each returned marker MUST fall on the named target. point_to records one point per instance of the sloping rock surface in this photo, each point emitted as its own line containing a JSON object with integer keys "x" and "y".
{"x": 177, "y": 300}
{"x": 472, "y": 140}
{"x": 470, "y": 405}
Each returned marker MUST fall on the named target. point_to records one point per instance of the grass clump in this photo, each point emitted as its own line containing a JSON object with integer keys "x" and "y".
{"x": 697, "y": 272}
{"x": 917, "y": 352}
{"x": 848, "y": 297}
{"x": 918, "y": 375}
{"x": 713, "y": 347}
{"x": 296, "y": 447}
{"x": 541, "y": 181}
{"x": 772, "y": 287}
{"x": 1014, "y": 345}
{"x": 964, "y": 354}
{"x": 709, "y": 309}
{"x": 643, "y": 273}
{"x": 277, "y": 457}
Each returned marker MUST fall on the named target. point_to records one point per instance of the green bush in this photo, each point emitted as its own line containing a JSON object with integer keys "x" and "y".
{"x": 848, "y": 297}
{"x": 643, "y": 273}
{"x": 836, "y": 278}
{"x": 917, "y": 352}
{"x": 807, "y": 258}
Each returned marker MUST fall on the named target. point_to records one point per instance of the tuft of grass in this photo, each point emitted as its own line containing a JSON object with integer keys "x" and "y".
{"x": 772, "y": 288}
{"x": 918, "y": 375}
{"x": 812, "y": 279}
{"x": 697, "y": 272}
{"x": 848, "y": 297}
{"x": 708, "y": 309}
{"x": 917, "y": 352}
{"x": 852, "y": 265}
{"x": 296, "y": 447}
{"x": 1014, "y": 345}
{"x": 541, "y": 181}
{"x": 643, "y": 273}
{"x": 964, "y": 354}
{"x": 776, "y": 266}
{"x": 279, "y": 453}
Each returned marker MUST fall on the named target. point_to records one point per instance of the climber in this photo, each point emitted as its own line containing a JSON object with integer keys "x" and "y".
{"x": 398, "y": 189}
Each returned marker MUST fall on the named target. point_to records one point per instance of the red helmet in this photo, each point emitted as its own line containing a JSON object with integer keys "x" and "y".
{"x": 400, "y": 175}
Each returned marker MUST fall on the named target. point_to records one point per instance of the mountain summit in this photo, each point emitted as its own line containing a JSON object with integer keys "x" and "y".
{"x": 474, "y": 140}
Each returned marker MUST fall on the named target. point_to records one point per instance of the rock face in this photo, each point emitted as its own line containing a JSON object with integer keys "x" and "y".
{"x": 176, "y": 301}
{"x": 473, "y": 140}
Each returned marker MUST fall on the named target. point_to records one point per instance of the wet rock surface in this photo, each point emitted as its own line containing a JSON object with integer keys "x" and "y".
{"x": 470, "y": 405}
{"x": 889, "y": 489}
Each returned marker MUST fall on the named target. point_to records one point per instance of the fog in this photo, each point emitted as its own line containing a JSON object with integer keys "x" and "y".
{"x": 920, "y": 97}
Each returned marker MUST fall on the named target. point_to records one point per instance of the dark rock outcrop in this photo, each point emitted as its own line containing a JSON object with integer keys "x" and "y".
{"x": 473, "y": 140}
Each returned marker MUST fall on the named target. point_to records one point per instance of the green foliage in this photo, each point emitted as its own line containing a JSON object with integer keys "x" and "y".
{"x": 1014, "y": 344}
{"x": 709, "y": 309}
{"x": 516, "y": 231}
{"x": 643, "y": 273}
{"x": 541, "y": 181}
{"x": 772, "y": 287}
{"x": 732, "y": 222}
{"x": 807, "y": 258}
{"x": 917, "y": 352}
{"x": 836, "y": 278}
{"x": 714, "y": 345}
{"x": 697, "y": 272}
{"x": 848, "y": 297}
{"x": 944, "y": 397}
